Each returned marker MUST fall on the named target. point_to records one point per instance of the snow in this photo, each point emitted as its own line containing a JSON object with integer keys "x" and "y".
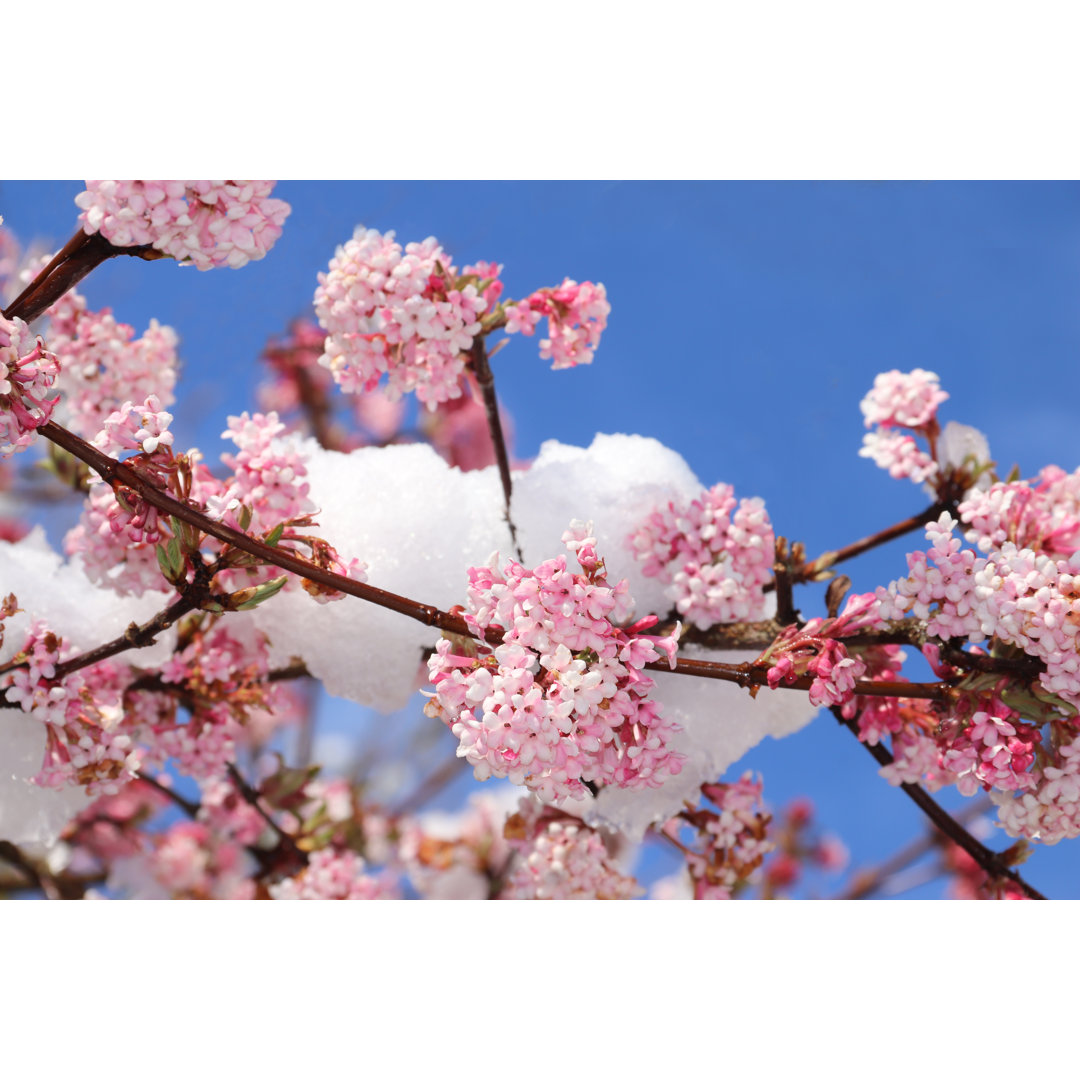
{"x": 720, "y": 722}
{"x": 59, "y": 593}
{"x": 419, "y": 524}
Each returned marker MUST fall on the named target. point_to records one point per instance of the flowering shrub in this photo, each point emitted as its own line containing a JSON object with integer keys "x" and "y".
{"x": 155, "y": 679}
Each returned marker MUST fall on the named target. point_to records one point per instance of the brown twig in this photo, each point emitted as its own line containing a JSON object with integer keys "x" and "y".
{"x": 251, "y": 796}
{"x": 784, "y": 575}
{"x": 747, "y": 675}
{"x": 485, "y": 379}
{"x": 115, "y": 473}
{"x": 991, "y": 861}
{"x": 134, "y": 637}
{"x": 831, "y": 558}
{"x": 317, "y": 408}
{"x": 190, "y": 808}
{"x": 81, "y": 254}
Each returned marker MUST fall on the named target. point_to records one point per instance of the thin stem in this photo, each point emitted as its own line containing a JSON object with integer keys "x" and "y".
{"x": 831, "y": 558}
{"x": 867, "y": 543}
{"x": 190, "y": 808}
{"x": 318, "y": 410}
{"x": 485, "y": 378}
{"x": 134, "y": 637}
{"x": 991, "y": 861}
{"x": 251, "y": 796}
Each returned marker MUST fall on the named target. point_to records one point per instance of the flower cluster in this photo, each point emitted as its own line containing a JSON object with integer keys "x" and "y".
{"x": 559, "y": 858}
{"x": 1015, "y": 737}
{"x": 899, "y": 400}
{"x": 576, "y": 315}
{"x": 103, "y": 364}
{"x": 402, "y": 313}
{"x": 562, "y": 703}
{"x": 995, "y": 750}
{"x": 27, "y": 374}
{"x": 266, "y": 490}
{"x": 334, "y": 875}
{"x": 117, "y": 534}
{"x": 1042, "y": 515}
{"x": 902, "y": 401}
{"x": 1051, "y": 811}
{"x": 206, "y": 223}
{"x": 101, "y": 734}
{"x": 730, "y": 842}
{"x": 717, "y": 555}
{"x": 457, "y": 856}
{"x": 186, "y": 861}
{"x": 815, "y": 649}
{"x": 799, "y": 847}
{"x": 117, "y": 542}
{"x": 1015, "y": 595}
{"x": 88, "y": 741}
{"x": 139, "y": 428}
{"x": 268, "y": 473}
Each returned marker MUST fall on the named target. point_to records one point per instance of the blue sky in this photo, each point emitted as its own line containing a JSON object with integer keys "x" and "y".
{"x": 748, "y": 320}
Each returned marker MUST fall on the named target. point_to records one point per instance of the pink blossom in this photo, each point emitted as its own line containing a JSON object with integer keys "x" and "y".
{"x": 135, "y": 427}
{"x": 205, "y": 222}
{"x": 899, "y": 455}
{"x": 716, "y": 554}
{"x": 27, "y": 373}
{"x": 899, "y": 400}
{"x": 562, "y": 702}
{"x": 731, "y": 839}
{"x": 903, "y": 401}
{"x": 396, "y": 313}
{"x": 334, "y": 875}
{"x": 576, "y": 314}
{"x": 1043, "y": 514}
{"x": 560, "y": 858}
{"x": 103, "y": 365}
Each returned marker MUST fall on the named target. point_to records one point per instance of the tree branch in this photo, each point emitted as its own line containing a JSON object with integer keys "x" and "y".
{"x": 117, "y": 473}
{"x": 81, "y": 254}
{"x": 993, "y": 862}
{"x": 251, "y": 796}
{"x": 829, "y": 559}
{"x": 134, "y": 637}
